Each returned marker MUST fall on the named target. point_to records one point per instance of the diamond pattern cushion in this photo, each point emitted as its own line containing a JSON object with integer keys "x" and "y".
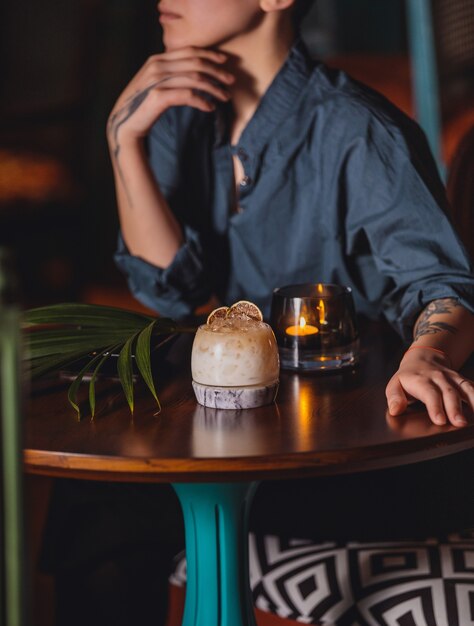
{"x": 410, "y": 583}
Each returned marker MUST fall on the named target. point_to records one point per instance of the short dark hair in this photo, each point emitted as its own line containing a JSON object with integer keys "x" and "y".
{"x": 300, "y": 9}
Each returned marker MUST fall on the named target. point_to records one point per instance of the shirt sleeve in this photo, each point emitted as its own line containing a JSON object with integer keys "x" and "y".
{"x": 397, "y": 208}
{"x": 174, "y": 291}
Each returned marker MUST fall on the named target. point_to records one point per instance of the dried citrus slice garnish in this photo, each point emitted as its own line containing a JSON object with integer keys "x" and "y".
{"x": 244, "y": 308}
{"x": 218, "y": 313}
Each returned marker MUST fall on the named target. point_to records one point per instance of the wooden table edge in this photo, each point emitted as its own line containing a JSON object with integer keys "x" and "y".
{"x": 230, "y": 469}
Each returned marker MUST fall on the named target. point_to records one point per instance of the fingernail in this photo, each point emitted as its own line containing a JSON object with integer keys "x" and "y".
{"x": 459, "y": 419}
{"x": 440, "y": 419}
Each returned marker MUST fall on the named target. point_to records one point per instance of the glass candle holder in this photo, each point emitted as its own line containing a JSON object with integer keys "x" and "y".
{"x": 315, "y": 327}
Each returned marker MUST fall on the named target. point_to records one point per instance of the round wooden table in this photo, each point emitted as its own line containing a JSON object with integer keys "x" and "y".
{"x": 320, "y": 424}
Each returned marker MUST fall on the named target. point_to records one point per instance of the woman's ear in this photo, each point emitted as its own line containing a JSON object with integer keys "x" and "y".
{"x": 275, "y": 5}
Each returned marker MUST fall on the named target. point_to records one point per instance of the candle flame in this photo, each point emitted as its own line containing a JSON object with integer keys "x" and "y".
{"x": 301, "y": 329}
{"x": 322, "y": 312}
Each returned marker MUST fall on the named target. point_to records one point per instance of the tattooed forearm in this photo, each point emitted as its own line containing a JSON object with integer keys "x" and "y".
{"x": 118, "y": 118}
{"x": 426, "y": 326}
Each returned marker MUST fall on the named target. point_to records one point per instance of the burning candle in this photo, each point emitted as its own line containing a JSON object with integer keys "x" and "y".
{"x": 315, "y": 326}
{"x": 302, "y": 329}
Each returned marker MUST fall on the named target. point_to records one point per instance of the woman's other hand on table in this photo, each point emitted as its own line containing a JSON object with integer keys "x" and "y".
{"x": 443, "y": 338}
{"x": 426, "y": 375}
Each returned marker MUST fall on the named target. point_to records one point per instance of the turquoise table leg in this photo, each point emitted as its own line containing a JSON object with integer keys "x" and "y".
{"x": 215, "y": 519}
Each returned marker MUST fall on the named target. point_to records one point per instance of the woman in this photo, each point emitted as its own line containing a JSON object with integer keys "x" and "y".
{"x": 242, "y": 165}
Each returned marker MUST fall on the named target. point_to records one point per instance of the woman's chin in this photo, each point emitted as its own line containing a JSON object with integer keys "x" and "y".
{"x": 174, "y": 41}
{"x": 171, "y": 43}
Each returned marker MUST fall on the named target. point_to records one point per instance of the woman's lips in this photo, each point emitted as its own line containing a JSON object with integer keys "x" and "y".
{"x": 167, "y": 16}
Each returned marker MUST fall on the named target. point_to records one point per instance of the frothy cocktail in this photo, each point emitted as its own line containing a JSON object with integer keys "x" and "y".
{"x": 235, "y": 363}
{"x": 235, "y": 353}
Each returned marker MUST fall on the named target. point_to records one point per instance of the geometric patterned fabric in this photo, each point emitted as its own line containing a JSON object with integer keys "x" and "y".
{"x": 419, "y": 583}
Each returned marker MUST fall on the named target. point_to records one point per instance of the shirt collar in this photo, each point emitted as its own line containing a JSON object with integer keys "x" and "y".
{"x": 276, "y": 103}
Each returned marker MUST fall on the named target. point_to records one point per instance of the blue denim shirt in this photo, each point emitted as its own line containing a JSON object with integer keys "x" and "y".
{"x": 339, "y": 187}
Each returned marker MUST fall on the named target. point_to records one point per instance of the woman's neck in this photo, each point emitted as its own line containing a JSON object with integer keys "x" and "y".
{"x": 255, "y": 59}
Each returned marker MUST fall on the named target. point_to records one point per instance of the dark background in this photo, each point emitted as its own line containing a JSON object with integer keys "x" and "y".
{"x": 63, "y": 63}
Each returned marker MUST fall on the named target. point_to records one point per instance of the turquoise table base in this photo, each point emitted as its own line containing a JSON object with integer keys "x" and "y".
{"x": 216, "y": 527}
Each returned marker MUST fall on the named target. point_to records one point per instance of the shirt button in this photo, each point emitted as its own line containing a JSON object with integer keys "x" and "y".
{"x": 246, "y": 181}
{"x": 243, "y": 156}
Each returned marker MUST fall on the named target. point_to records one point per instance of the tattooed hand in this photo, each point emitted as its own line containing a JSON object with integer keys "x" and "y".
{"x": 443, "y": 335}
{"x": 177, "y": 78}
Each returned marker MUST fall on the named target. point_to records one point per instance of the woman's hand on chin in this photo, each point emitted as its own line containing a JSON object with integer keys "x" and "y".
{"x": 183, "y": 77}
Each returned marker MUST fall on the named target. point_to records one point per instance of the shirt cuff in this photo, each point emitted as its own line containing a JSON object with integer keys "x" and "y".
{"x": 174, "y": 291}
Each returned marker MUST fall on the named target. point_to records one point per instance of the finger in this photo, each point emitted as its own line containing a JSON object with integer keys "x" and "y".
{"x": 452, "y": 404}
{"x": 195, "y": 81}
{"x": 432, "y": 398}
{"x": 466, "y": 388}
{"x": 396, "y": 398}
{"x": 189, "y": 52}
{"x": 185, "y": 97}
{"x": 203, "y": 66}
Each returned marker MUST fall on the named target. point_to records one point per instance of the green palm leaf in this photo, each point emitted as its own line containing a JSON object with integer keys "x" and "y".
{"x": 142, "y": 356}
{"x": 45, "y": 347}
{"x": 61, "y": 335}
{"x": 87, "y": 314}
{"x": 42, "y": 366}
{"x": 125, "y": 370}
{"x": 104, "y": 358}
{"x": 72, "y": 392}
